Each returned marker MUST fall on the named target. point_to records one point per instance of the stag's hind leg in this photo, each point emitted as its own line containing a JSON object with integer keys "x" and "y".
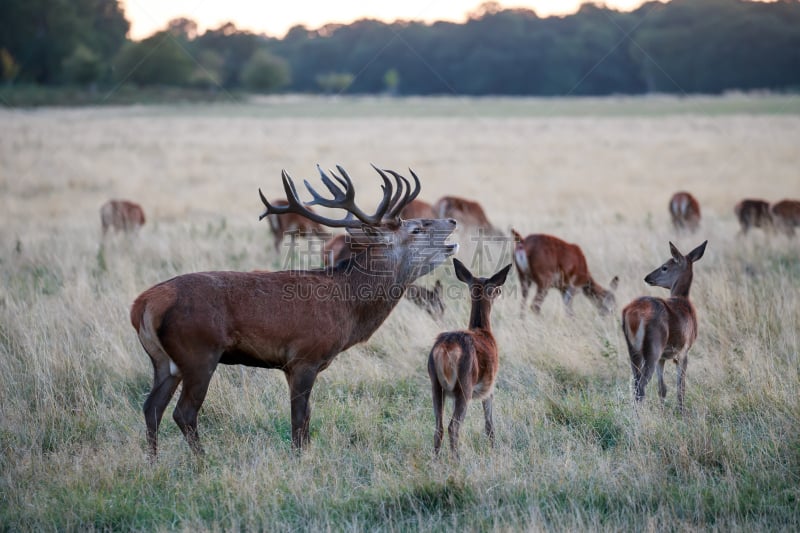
{"x": 195, "y": 387}
{"x": 164, "y": 385}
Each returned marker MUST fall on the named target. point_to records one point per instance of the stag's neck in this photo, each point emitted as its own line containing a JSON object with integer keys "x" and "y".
{"x": 680, "y": 289}
{"x": 372, "y": 295}
{"x": 480, "y": 316}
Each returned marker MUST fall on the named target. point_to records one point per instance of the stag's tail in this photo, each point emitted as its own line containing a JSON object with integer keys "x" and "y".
{"x": 147, "y": 312}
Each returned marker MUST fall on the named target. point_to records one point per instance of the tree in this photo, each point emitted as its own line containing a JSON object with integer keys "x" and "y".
{"x": 161, "y": 59}
{"x": 265, "y": 72}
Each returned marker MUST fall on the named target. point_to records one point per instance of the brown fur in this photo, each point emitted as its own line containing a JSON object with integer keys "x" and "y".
{"x": 660, "y": 329}
{"x": 468, "y": 213}
{"x": 464, "y": 364}
{"x": 549, "y": 262}
{"x": 295, "y": 321}
{"x": 292, "y": 224}
{"x": 753, "y": 213}
{"x": 121, "y": 215}
{"x": 685, "y": 211}
{"x": 786, "y": 216}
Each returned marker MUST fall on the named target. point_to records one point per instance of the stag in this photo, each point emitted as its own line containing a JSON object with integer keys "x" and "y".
{"x": 786, "y": 216}
{"x": 685, "y": 211}
{"x": 753, "y": 213}
{"x": 464, "y": 364}
{"x": 659, "y": 329}
{"x": 292, "y": 224}
{"x": 295, "y": 321}
{"x": 121, "y": 215}
{"x": 468, "y": 213}
{"x": 550, "y": 262}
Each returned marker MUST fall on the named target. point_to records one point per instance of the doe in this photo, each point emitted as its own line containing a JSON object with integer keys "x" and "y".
{"x": 463, "y": 364}
{"x": 659, "y": 329}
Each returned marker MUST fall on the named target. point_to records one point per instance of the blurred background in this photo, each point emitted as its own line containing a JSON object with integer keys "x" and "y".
{"x": 107, "y": 51}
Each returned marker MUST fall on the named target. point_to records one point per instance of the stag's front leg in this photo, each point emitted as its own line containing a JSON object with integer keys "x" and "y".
{"x": 301, "y": 381}
{"x": 487, "y": 415}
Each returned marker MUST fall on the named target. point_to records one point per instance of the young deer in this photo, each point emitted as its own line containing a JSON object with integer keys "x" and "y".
{"x": 659, "y": 329}
{"x": 463, "y": 364}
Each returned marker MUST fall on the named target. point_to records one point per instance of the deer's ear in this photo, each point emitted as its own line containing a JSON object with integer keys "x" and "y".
{"x": 368, "y": 233}
{"x": 498, "y": 279}
{"x": 697, "y": 253}
{"x": 462, "y": 273}
{"x": 676, "y": 254}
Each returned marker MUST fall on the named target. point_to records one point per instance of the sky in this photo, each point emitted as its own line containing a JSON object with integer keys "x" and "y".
{"x": 275, "y": 18}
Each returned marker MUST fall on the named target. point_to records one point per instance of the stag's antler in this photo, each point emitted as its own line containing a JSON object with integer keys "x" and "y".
{"x": 388, "y": 210}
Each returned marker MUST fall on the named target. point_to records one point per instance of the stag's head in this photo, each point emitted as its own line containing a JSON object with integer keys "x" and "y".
{"x": 406, "y": 249}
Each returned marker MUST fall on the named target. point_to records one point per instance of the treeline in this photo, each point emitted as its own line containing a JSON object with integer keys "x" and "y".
{"x": 684, "y": 46}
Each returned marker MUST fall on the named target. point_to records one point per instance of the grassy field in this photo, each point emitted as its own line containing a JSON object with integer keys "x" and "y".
{"x": 571, "y": 452}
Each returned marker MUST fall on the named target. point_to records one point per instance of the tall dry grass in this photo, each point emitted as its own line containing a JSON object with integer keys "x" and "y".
{"x": 571, "y": 451}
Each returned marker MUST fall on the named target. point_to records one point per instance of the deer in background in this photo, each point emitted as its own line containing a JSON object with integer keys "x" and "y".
{"x": 295, "y": 321}
{"x": 685, "y": 211}
{"x": 292, "y": 223}
{"x": 550, "y": 262}
{"x": 121, "y": 215}
{"x": 786, "y": 216}
{"x": 429, "y": 300}
{"x": 753, "y": 213}
{"x": 418, "y": 209}
{"x": 468, "y": 213}
{"x": 659, "y": 329}
{"x": 464, "y": 364}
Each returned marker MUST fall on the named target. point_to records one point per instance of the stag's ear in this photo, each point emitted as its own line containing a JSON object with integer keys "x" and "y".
{"x": 676, "y": 254}
{"x": 498, "y": 279}
{"x": 697, "y": 253}
{"x": 368, "y": 234}
{"x": 462, "y": 273}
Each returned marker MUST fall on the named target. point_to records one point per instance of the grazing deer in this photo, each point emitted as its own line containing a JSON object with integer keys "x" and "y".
{"x": 418, "y": 209}
{"x": 291, "y": 223}
{"x": 429, "y": 300}
{"x": 685, "y": 211}
{"x": 468, "y": 213}
{"x": 753, "y": 214}
{"x": 786, "y": 216}
{"x": 121, "y": 215}
{"x": 550, "y": 262}
{"x": 463, "y": 364}
{"x": 659, "y": 329}
{"x": 295, "y": 321}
